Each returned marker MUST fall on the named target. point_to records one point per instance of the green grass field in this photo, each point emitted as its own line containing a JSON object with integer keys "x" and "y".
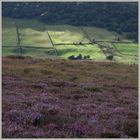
{"x": 33, "y": 34}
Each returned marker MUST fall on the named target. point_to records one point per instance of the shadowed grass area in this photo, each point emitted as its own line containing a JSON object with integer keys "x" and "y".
{"x": 127, "y": 59}
{"x": 128, "y": 49}
{"x": 29, "y": 51}
{"x": 100, "y": 34}
{"x": 129, "y": 53}
{"x": 8, "y": 32}
{"x": 8, "y": 51}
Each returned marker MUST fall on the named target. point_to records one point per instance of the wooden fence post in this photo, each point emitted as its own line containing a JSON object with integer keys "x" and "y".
{"x": 18, "y": 39}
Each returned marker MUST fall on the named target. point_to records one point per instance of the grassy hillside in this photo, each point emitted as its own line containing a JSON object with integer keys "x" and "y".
{"x": 33, "y": 34}
{"x": 8, "y": 32}
{"x": 119, "y": 16}
{"x": 72, "y": 99}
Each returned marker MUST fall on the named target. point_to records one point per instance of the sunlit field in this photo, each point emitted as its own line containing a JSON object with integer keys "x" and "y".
{"x": 34, "y": 34}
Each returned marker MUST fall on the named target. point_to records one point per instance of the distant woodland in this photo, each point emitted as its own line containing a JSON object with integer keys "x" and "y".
{"x": 121, "y": 17}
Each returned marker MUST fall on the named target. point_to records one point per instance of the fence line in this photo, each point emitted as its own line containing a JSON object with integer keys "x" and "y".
{"x": 86, "y": 43}
{"x": 86, "y": 34}
{"x": 56, "y": 53}
{"x": 30, "y": 47}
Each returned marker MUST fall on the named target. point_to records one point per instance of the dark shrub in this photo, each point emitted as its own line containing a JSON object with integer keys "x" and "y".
{"x": 71, "y": 57}
{"x": 79, "y": 56}
{"x": 110, "y": 135}
{"x": 74, "y": 78}
{"x": 39, "y": 85}
{"x": 93, "y": 89}
{"x": 78, "y": 96}
{"x": 109, "y": 57}
{"x": 85, "y": 57}
{"x": 38, "y": 120}
{"x": 16, "y": 57}
{"x": 28, "y": 70}
{"x": 130, "y": 127}
{"x": 47, "y": 72}
{"x": 53, "y": 116}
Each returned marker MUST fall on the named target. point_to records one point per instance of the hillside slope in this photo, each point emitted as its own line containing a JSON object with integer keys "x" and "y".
{"x": 36, "y": 42}
{"x": 70, "y": 99}
{"x": 115, "y": 16}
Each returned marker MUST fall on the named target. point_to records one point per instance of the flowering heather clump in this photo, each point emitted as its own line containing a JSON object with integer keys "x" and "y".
{"x": 77, "y": 130}
{"x": 40, "y": 99}
{"x": 119, "y": 110}
{"x": 52, "y": 126}
{"x": 110, "y": 135}
{"x": 16, "y": 116}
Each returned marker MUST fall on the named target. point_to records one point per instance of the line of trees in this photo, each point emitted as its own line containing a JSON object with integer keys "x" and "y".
{"x": 115, "y": 16}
